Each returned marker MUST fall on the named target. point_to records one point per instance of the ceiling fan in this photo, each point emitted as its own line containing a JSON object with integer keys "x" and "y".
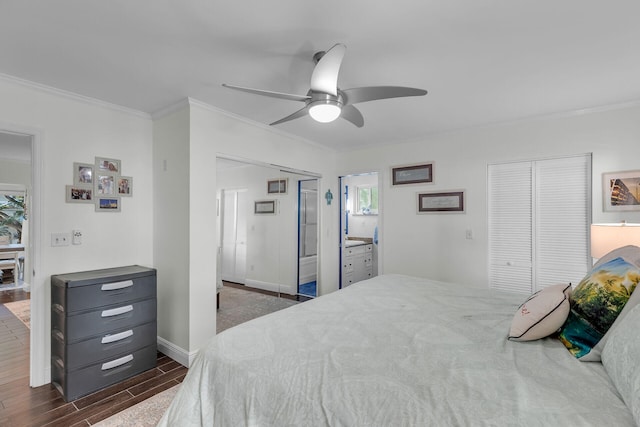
{"x": 324, "y": 101}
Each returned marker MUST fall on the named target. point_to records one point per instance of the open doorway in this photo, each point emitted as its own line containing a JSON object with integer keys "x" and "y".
{"x": 359, "y": 214}
{"x": 308, "y": 238}
{"x": 20, "y": 178}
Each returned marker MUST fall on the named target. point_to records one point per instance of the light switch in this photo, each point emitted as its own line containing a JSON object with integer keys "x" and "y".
{"x": 60, "y": 239}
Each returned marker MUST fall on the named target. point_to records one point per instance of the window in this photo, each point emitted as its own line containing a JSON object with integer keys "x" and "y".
{"x": 539, "y": 216}
{"x": 367, "y": 201}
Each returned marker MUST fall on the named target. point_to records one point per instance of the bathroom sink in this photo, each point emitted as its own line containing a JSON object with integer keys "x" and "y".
{"x": 349, "y": 243}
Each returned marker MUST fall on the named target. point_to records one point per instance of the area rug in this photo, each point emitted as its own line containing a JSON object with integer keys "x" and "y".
{"x": 22, "y": 310}
{"x": 143, "y": 414}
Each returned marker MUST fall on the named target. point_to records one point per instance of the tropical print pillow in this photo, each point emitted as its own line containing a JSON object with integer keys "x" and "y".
{"x": 596, "y": 303}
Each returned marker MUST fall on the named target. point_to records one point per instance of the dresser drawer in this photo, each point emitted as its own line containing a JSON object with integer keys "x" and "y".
{"x": 80, "y": 382}
{"x": 102, "y": 347}
{"x": 106, "y": 319}
{"x": 114, "y": 291}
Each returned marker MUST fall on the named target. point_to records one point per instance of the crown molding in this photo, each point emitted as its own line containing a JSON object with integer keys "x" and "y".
{"x": 74, "y": 96}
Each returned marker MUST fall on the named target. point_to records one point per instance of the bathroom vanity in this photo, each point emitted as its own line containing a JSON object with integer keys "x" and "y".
{"x": 357, "y": 261}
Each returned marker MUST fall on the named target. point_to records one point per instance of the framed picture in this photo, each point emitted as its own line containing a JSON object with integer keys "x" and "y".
{"x": 621, "y": 191}
{"x": 107, "y": 204}
{"x": 124, "y": 185}
{"x": 83, "y": 173}
{"x": 263, "y": 207}
{"x": 105, "y": 183}
{"x": 107, "y": 165}
{"x": 412, "y": 174}
{"x": 277, "y": 186}
{"x": 78, "y": 194}
{"x": 447, "y": 201}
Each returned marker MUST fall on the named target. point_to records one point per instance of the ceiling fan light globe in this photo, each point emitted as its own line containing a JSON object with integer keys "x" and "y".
{"x": 324, "y": 112}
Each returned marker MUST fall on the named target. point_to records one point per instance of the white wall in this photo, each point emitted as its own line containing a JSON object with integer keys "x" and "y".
{"x": 212, "y": 132}
{"x": 434, "y": 245}
{"x": 71, "y": 129}
{"x": 15, "y": 172}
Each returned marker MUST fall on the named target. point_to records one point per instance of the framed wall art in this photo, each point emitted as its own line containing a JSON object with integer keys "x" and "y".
{"x": 107, "y": 165}
{"x": 265, "y": 207}
{"x": 277, "y": 186}
{"x": 124, "y": 185}
{"x": 621, "y": 191}
{"x": 412, "y": 174}
{"x": 107, "y": 204}
{"x": 78, "y": 194}
{"x": 83, "y": 173}
{"x": 105, "y": 183}
{"x": 446, "y": 201}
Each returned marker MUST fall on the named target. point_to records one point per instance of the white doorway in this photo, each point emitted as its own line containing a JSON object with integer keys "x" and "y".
{"x": 28, "y": 141}
{"x": 233, "y": 221}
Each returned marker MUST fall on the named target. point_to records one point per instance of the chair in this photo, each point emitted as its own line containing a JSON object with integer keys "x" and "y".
{"x": 8, "y": 261}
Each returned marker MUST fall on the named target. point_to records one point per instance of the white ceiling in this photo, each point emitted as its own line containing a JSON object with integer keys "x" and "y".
{"x": 481, "y": 61}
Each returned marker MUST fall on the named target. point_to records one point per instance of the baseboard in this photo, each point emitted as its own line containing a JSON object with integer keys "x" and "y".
{"x": 273, "y": 287}
{"x": 175, "y": 352}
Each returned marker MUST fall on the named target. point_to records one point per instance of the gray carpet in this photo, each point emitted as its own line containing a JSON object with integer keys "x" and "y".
{"x": 238, "y": 306}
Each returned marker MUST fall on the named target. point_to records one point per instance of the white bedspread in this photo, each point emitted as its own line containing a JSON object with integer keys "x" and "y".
{"x": 393, "y": 351}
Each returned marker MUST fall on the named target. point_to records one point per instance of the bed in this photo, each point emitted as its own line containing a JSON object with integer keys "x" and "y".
{"x": 395, "y": 350}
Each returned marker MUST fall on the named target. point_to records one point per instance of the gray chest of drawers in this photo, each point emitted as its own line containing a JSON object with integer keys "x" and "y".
{"x": 103, "y": 328}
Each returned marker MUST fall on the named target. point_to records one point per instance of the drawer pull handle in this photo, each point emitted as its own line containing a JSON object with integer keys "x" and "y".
{"x": 117, "y": 311}
{"x": 116, "y": 337}
{"x": 116, "y": 285}
{"x": 118, "y": 362}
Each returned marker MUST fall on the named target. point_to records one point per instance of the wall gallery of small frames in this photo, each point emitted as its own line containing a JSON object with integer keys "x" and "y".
{"x": 100, "y": 183}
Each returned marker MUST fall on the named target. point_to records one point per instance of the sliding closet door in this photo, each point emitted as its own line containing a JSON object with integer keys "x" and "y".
{"x": 539, "y": 216}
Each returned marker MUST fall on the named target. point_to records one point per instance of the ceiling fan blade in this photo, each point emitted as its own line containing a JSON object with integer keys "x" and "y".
{"x": 353, "y": 115}
{"x": 272, "y": 94}
{"x": 325, "y": 75}
{"x": 300, "y": 113}
{"x": 372, "y": 93}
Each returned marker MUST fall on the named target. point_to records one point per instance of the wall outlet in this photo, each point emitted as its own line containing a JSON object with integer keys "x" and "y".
{"x": 60, "y": 239}
{"x": 76, "y": 237}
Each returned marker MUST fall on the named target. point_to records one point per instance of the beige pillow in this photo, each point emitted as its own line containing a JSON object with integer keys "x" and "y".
{"x": 542, "y": 314}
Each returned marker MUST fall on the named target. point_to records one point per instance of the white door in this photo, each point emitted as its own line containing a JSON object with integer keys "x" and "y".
{"x": 234, "y": 235}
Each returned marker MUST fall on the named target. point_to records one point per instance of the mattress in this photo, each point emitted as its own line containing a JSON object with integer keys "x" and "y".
{"x": 393, "y": 351}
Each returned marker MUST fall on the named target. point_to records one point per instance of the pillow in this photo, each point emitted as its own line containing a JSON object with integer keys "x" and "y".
{"x": 542, "y": 314}
{"x": 629, "y": 253}
{"x": 620, "y": 358}
{"x": 596, "y": 303}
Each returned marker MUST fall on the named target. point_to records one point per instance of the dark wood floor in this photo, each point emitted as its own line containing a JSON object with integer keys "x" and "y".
{"x": 21, "y": 405}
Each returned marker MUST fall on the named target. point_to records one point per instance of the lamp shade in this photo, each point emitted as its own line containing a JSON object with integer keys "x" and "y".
{"x": 607, "y": 237}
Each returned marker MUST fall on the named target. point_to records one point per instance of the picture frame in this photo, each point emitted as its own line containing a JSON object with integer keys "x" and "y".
{"x": 124, "y": 186}
{"x": 621, "y": 191}
{"x": 277, "y": 186}
{"x": 264, "y": 207}
{"x": 105, "y": 184}
{"x": 441, "y": 201}
{"x": 107, "y": 204}
{"x": 104, "y": 164}
{"x": 78, "y": 194}
{"x": 83, "y": 173}
{"x": 412, "y": 174}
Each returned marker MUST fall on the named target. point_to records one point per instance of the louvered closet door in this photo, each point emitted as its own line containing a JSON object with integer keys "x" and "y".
{"x": 539, "y": 215}
{"x": 510, "y": 226}
{"x": 563, "y": 215}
